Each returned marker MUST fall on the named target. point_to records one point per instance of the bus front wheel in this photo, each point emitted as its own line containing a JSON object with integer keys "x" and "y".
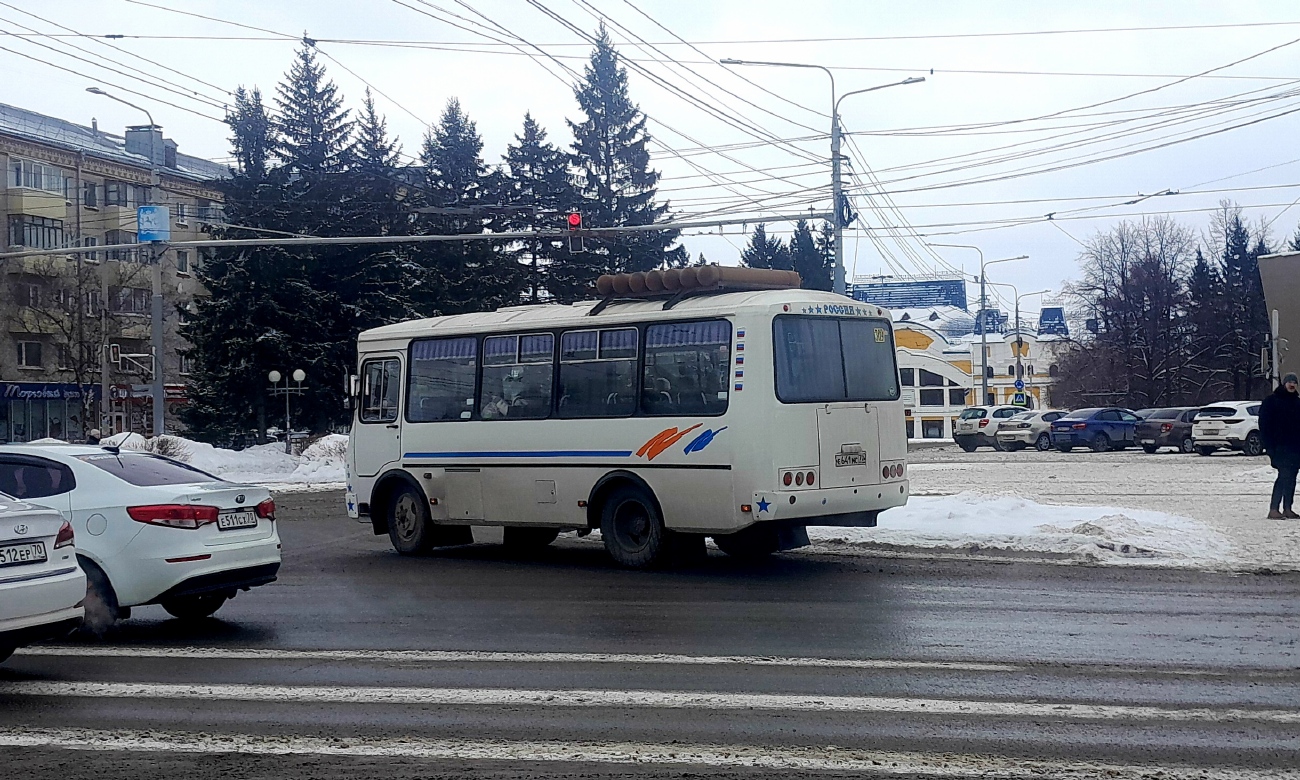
{"x": 409, "y": 527}
{"x": 632, "y": 529}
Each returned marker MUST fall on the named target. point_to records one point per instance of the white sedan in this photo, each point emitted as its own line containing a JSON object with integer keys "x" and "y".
{"x": 150, "y": 530}
{"x": 41, "y": 586}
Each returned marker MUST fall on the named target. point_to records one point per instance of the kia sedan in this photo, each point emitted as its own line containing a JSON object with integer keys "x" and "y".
{"x": 151, "y": 530}
{"x": 41, "y": 585}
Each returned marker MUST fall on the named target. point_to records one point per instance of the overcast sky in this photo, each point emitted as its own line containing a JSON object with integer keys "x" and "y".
{"x": 1030, "y": 117}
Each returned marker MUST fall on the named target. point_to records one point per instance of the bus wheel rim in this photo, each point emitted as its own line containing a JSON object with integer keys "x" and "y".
{"x": 632, "y": 523}
{"x": 404, "y": 517}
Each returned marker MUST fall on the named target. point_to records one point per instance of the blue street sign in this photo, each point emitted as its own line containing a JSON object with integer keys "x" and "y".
{"x": 1019, "y": 399}
{"x": 154, "y": 222}
{"x": 1020, "y": 384}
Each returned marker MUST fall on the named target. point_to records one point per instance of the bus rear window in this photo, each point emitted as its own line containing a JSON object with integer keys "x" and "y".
{"x": 825, "y": 359}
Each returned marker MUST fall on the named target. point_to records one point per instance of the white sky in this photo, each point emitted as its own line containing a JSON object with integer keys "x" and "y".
{"x": 496, "y": 89}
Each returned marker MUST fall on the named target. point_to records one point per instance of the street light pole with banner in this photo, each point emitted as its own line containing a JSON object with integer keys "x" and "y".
{"x": 154, "y": 226}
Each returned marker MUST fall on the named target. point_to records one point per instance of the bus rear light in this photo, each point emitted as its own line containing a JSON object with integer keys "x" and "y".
{"x": 798, "y": 478}
{"x": 787, "y": 479}
{"x": 746, "y": 508}
{"x": 884, "y": 473}
{"x": 811, "y": 479}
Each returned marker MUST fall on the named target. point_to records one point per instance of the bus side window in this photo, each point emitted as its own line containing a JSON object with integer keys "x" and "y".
{"x": 687, "y": 368}
{"x": 517, "y": 373}
{"x": 598, "y": 373}
{"x": 440, "y": 385}
{"x": 379, "y": 391}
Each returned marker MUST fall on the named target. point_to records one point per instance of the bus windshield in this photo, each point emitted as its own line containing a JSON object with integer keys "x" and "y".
{"x": 825, "y": 359}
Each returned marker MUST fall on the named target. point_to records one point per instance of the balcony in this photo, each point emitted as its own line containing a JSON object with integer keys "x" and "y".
{"x": 32, "y": 321}
{"x": 36, "y": 203}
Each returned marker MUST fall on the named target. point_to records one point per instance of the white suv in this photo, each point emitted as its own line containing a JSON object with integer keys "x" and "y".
{"x": 1230, "y": 425}
{"x": 41, "y": 586}
{"x": 977, "y": 426}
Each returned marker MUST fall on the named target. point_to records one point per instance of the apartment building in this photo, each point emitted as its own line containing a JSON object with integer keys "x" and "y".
{"x": 68, "y": 185}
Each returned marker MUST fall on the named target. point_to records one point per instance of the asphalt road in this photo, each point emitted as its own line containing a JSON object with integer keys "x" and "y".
{"x": 473, "y": 663}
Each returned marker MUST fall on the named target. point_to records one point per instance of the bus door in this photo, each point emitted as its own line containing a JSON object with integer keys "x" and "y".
{"x": 377, "y": 441}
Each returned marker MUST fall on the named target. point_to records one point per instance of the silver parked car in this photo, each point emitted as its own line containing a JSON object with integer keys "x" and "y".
{"x": 1028, "y": 429}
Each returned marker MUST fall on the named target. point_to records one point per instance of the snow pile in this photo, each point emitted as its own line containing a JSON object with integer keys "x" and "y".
{"x": 973, "y": 523}
{"x": 320, "y": 465}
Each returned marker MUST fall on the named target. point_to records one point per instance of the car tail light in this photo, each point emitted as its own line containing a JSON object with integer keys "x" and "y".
{"x": 984, "y": 423}
{"x": 1166, "y": 427}
{"x": 1231, "y": 422}
{"x": 65, "y": 537}
{"x": 174, "y": 515}
{"x": 811, "y": 478}
{"x": 787, "y": 479}
{"x": 267, "y": 509}
{"x": 798, "y": 478}
{"x": 1079, "y": 426}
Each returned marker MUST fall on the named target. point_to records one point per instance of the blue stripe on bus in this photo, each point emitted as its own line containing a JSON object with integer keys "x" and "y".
{"x": 536, "y": 454}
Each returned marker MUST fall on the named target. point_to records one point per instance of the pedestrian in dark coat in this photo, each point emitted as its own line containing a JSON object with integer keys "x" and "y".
{"x": 1279, "y": 426}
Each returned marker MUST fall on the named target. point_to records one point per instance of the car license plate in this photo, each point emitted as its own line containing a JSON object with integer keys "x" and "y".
{"x": 18, "y": 554}
{"x": 1211, "y": 431}
{"x": 1148, "y": 441}
{"x": 229, "y": 521}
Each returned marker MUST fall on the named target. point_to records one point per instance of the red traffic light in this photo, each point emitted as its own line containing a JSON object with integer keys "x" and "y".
{"x": 575, "y": 221}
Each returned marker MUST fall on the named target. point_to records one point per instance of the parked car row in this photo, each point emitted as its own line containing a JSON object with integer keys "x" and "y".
{"x": 87, "y": 533}
{"x": 1230, "y": 425}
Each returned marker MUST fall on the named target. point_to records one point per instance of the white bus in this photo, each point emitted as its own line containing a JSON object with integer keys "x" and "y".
{"x": 741, "y": 414}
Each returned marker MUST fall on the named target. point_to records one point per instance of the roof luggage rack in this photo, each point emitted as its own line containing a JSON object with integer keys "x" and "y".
{"x": 676, "y": 284}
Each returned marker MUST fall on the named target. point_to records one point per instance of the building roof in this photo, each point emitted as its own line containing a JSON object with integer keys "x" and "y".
{"x": 31, "y": 126}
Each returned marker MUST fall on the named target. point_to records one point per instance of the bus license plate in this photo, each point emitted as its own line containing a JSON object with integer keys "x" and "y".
{"x": 229, "y": 521}
{"x": 18, "y": 554}
{"x": 851, "y": 459}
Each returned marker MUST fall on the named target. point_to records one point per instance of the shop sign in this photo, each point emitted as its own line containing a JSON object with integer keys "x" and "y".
{"x": 44, "y": 391}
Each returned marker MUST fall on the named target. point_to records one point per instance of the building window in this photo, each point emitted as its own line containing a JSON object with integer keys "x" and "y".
{"x": 35, "y": 232}
{"x": 988, "y": 371}
{"x": 1011, "y": 370}
{"x": 27, "y": 294}
{"x": 932, "y": 398}
{"x": 65, "y": 357}
{"x": 931, "y": 379}
{"x": 907, "y": 377}
{"x": 957, "y": 396}
{"x": 92, "y": 257}
{"x": 132, "y": 300}
{"x": 35, "y": 176}
{"x": 90, "y": 195}
{"x": 92, "y": 302}
{"x": 932, "y": 429}
{"x": 29, "y": 354}
{"x": 1052, "y": 370}
{"x": 119, "y": 193}
{"x": 182, "y": 261}
{"x": 187, "y": 365}
{"x": 120, "y": 237}
{"x": 911, "y": 429}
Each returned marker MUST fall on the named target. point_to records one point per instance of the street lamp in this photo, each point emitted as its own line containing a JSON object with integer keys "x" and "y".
{"x": 274, "y": 377}
{"x": 983, "y": 318}
{"x": 156, "y": 312}
{"x": 837, "y": 186}
{"x": 1020, "y": 341}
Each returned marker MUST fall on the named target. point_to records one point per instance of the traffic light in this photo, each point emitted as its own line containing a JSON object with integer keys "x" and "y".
{"x": 575, "y": 240}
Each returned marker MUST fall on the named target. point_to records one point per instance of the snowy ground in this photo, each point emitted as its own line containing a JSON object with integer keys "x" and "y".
{"x": 1117, "y": 508}
{"x": 1126, "y": 507}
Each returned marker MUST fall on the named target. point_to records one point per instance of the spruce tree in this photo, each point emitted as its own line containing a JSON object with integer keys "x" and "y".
{"x": 462, "y": 276}
{"x": 825, "y": 276}
{"x": 809, "y": 258}
{"x": 614, "y": 176}
{"x": 1246, "y": 317}
{"x": 766, "y": 251}
{"x": 539, "y": 192}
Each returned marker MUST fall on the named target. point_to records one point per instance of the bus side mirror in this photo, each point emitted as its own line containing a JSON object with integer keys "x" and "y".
{"x": 351, "y": 387}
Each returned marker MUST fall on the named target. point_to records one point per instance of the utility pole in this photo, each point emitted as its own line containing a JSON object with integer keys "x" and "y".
{"x": 982, "y": 321}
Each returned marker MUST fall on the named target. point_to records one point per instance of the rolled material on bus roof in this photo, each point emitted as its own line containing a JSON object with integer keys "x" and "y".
{"x": 704, "y": 277}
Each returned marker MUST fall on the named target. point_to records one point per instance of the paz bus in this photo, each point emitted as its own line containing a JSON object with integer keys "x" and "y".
{"x": 718, "y": 402}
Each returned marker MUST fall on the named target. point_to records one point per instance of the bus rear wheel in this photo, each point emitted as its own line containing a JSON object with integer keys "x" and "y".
{"x": 632, "y": 529}
{"x": 409, "y": 527}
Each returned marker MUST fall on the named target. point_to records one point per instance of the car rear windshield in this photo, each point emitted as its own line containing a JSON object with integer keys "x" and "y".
{"x": 1024, "y": 416}
{"x": 823, "y": 359}
{"x": 972, "y": 414}
{"x": 145, "y": 470}
{"x": 1080, "y": 414}
{"x": 1164, "y": 414}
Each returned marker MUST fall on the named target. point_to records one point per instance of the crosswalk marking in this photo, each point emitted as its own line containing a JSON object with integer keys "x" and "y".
{"x": 878, "y": 763}
{"x": 454, "y": 656}
{"x": 646, "y": 699}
